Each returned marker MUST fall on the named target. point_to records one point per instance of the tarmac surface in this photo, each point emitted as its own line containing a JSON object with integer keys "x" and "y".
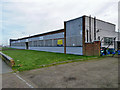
{"x": 101, "y": 73}
{"x": 8, "y": 79}
{"x": 5, "y": 67}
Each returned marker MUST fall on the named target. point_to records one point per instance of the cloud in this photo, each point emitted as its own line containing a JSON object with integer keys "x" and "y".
{"x": 27, "y": 17}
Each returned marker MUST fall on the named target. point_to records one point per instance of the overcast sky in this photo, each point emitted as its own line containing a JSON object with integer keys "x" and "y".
{"x": 22, "y": 18}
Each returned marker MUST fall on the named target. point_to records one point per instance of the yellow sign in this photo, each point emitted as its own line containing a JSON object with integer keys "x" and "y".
{"x": 60, "y": 42}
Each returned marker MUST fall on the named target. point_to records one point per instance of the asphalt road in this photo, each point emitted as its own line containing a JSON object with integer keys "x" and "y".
{"x": 101, "y": 73}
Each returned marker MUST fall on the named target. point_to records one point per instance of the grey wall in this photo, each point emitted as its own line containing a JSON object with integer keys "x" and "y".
{"x": 74, "y": 50}
{"x": 18, "y": 47}
{"x": 74, "y": 36}
{"x": 46, "y": 37}
{"x": 49, "y": 49}
{"x": 69, "y": 50}
{"x": 46, "y": 40}
{"x": 74, "y": 32}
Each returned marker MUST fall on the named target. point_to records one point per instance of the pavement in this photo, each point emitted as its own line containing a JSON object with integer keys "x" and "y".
{"x": 8, "y": 79}
{"x": 4, "y": 68}
{"x": 101, "y": 73}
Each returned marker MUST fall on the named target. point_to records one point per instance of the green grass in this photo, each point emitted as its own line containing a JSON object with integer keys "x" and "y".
{"x": 30, "y": 59}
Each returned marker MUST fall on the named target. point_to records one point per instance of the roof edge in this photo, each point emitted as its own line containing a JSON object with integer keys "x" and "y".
{"x": 47, "y": 33}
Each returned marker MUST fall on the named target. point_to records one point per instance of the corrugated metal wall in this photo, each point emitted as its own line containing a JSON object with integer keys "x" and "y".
{"x": 74, "y": 36}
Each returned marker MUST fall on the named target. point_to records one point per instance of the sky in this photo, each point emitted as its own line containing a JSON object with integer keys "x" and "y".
{"x": 21, "y": 18}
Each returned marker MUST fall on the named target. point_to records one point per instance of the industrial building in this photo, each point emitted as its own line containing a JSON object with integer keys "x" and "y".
{"x": 82, "y": 36}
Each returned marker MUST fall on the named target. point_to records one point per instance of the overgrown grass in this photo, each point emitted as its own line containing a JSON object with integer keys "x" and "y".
{"x": 30, "y": 59}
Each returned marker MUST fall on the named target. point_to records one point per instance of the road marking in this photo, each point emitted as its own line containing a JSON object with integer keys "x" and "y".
{"x": 23, "y": 80}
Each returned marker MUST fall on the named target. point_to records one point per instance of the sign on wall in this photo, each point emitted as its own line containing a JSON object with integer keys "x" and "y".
{"x": 60, "y": 42}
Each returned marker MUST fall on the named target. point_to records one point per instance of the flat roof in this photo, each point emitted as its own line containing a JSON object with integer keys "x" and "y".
{"x": 47, "y": 33}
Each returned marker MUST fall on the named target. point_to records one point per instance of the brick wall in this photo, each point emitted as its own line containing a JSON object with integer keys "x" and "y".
{"x": 92, "y": 49}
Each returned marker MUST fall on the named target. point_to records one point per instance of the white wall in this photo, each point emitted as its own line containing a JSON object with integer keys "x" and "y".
{"x": 105, "y": 30}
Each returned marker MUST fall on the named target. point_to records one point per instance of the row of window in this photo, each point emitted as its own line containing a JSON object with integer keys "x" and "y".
{"x": 41, "y": 43}
{"x": 18, "y": 44}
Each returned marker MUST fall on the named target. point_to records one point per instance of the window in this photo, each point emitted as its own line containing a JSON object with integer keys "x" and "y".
{"x": 108, "y": 40}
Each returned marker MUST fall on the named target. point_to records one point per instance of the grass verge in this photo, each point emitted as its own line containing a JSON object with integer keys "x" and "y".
{"x": 30, "y": 59}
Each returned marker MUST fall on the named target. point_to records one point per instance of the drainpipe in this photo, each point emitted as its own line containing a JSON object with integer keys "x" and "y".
{"x": 90, "y": 28}
{"x": 94, "y": 28}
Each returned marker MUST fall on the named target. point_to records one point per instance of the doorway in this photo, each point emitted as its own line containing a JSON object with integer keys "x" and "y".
{"x": 27, "y": 46}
